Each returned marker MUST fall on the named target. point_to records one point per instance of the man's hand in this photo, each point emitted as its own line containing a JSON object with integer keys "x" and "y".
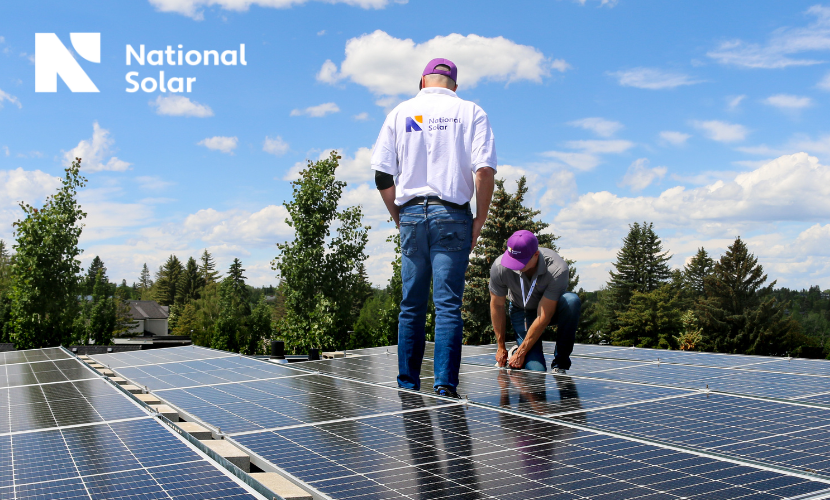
{"x": 388, "y": 196}
{"x": 518, "y": 359}
{"x": 476, "y": 230}
{"x": 501, "y": 356}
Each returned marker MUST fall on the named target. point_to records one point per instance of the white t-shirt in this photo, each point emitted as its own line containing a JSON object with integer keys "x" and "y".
{"x": 433, "y": 144}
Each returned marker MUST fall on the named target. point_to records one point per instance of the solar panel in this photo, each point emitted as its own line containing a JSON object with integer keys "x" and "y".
{"x": 619, "y": 425}
{"x": 67, "y": 433}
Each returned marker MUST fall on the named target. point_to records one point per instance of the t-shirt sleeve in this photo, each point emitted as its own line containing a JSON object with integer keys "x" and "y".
{"x": 558, "y": 286}
{"x": 484, "y": 142}
{"x": 497, "y": 285}
{"x": 385, "y": 152}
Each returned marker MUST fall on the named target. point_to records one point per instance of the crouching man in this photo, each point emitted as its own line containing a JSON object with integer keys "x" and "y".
{"x": 535, "y": 282}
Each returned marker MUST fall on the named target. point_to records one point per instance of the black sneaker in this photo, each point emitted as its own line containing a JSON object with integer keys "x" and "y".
{"x": 447, "y": 392}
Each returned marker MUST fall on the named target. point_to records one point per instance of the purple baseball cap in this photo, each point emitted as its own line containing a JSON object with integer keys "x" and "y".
{"x": 521, "y": 247}
{"x": 430, "y": 70}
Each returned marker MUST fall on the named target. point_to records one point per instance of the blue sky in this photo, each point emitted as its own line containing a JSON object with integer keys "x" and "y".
{"x": 707, "y": 118}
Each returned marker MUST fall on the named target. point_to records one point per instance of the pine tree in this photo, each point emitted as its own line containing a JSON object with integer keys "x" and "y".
{"x": 231, "y": 332}
{"x": 45, "y": 284}
{"x": 739, "y": 314}
{"x": 92, "y": 275}
{"x": 320, "y": 278}
{"x": 207, "y": 268}
{"x": 507, "y": 215}
{"x": 696, "y": 271}
{"x": 652, "y": 319}
{"x": 261, "y": 328}
{"x": 5, "y": 289}
{"x": 102, "y": 312}
{"x": 691, "y": 337}
{"x": 190, "y": 283}
{"x": 145, "y": 283}
{"x": 167, "y": 279}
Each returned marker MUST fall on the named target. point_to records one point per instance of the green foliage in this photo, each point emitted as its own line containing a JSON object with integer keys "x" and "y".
{"x": 5, "y": 289}
{"x": 145, "y": 284}
{"x": 93, "y": 277}
{"x": 691, "y": 337}
{"x": 652, "y": 319}
{"x": 190, "y": 283}
{"x": 207, "y": 310}
{"x": 231, "y": 331}
{"x": 696, "y": 272}
{"x": 167, "y": 281}
{"x": 370, "y": 329}
{"x": 261, "y": 328}
{"x": 739, "y": 314}
{"x": 322, "y": 280}
{"x": 44, "y": 284}
{"x": 207, "y": 268}
{"x": 507, "y": 215}
{"x": 102, "y": 312}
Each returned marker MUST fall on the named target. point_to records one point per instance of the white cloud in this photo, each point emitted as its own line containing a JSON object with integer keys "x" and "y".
{"x": 782, "y": 46}
{"x": 560, "y": 188}
{"x": 390, "y": 66}
{"x": 674, "y": 138}
{"x": 824, "y": 84}
{"x": 733, "y": 102}
{"x": 652, "y": 79}
{"x": 239, "y": 227}
{"x": 788, "y": 102}
{"x": 793, "y": 187}
{"x": 722, "y": 131}
{"x": 22, "y": 185}
{"x": 602, "y": 3}
{"x": 598, "y": 146}
{"x": 9, "y": 98}
{"x": 220, "y": 143}
{"x": 276, "y": 146}
{"x": 176, "y": 105}
{"x": 321, "y": 32}
{"x": 639, "y": 176}
{"x": 317, "y": 111}
{"x": 599, "y": 126}
{"x": 94, "y": 151}
{"x": 195, "y": 8}
{"x": 353, "y": 170}
{"x": 579, "y": 161}
{"x": 588, "y": 156}
{"x": 361, "y": 117}
{"x": 152, "y": 183}
{"x": 6, "y": 150}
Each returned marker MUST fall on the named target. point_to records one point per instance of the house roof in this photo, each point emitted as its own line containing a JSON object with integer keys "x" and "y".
{"x": 147, "y": 309}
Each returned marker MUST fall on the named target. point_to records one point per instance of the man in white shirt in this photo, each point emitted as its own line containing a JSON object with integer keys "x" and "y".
{"x": 433, "y": 153}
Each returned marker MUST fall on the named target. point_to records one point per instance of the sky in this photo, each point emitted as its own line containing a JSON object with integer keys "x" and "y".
{"x": 707, "y": 118}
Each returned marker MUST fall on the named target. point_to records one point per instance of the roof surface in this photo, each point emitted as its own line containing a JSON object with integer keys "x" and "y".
{"x": 147, "y": 309}
{"x": 622, "y": 424}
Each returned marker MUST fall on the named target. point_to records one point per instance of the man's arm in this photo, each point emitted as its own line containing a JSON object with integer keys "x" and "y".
{"x": 544, "y": 315}
{"x": 498, "y": 316}
{"x": 485, "y": 180}
{"x": 388, "y": 196}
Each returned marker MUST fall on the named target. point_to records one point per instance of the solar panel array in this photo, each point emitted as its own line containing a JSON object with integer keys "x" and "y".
{"x": 66, "y": 433}
{"x": 622, "y": 424}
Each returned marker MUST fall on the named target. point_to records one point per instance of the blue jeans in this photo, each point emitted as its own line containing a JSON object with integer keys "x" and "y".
{"x": 435, "y": 248}
{"x": 566, "y": 319}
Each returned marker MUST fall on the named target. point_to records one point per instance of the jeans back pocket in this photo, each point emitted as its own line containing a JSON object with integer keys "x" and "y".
{"x": 453, "y": 235}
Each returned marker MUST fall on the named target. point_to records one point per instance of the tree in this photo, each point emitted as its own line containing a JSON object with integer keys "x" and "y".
{"x": 321, "y": 272}
{"x": 691, "y": 337}
{"x": 207, "y": 268}
{"x": 190, "y": 283}
{"x": 5, "y": 289}
{"x": 102, "y": 312}
{"x": 261, "y": 328}
{"x": 739, "y": 315}
{"x": 145, "y": 283}
{"x": 507, "y": 215}
{"x": 652, "y": 319}
{"x": 92, "y": 275}
{"x": 231, "y": 331}
{"x": 45, "y": 284}
{"x": 167, "y": 280}
{"x": 696, "y": 272}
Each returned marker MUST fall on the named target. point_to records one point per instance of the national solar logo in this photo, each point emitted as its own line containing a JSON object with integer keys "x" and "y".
{"x": 412, "y": 123}
{"x": 52, "y": 58}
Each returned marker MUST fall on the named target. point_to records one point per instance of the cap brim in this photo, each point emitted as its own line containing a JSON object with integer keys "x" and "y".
{"x": 509, "y": 262}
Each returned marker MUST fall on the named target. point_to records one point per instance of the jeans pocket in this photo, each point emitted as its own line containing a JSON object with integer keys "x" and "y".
{"x": 454, "y": 235}
{"x": 409, "y": 240}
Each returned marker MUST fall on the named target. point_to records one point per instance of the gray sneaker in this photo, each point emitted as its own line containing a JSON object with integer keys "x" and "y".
{"x": 560, "y": 371}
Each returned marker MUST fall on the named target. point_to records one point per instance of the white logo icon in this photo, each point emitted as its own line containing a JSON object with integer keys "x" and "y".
{"x": 52, "y": 58}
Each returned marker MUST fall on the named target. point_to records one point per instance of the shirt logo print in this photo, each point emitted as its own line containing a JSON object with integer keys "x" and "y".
{"x": 412, "y": 123}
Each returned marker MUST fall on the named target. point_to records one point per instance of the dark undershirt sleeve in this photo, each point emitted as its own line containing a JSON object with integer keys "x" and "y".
{"x": 383, "y": 180}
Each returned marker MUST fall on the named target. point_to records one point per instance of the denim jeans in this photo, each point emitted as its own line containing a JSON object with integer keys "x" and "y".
{"x": 566, "y": 319}
{"x": 435, "y": 248}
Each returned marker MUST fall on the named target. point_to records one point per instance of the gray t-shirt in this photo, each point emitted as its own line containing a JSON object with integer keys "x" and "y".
{"x": 551, "y": 280}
